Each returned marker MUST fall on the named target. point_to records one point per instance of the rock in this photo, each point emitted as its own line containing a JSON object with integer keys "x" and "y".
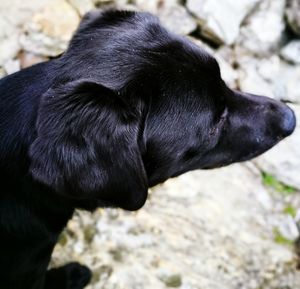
{"x": 205, "y": 227}
{"x": 288, "y": 229}
{"x": 226, "y": 59}
{"x": 154, "y": 6}
{"x": 2, "y": 72}
{"x": 28, "y": 59}
{"x": 173, "y": 281}
{"x": 283, "y": 160}
{"x": 257, "y": 76}
{"x": 220, "y": 20}
{"x": 12, "y": 66}
{"x": 49, "y": 30}
{"x": 269, "y": 76}
{"x": 82, "y": 6}
{"x": 291, "y": 52}
{"x": 172, "y": 15}
{"x": 177, "y": 19}
{"x": 288, "y": 78}
{"x": 229, "y": 75}
{"x": 262, "y": 31}
{"x": 13, "y": 13}
{"x": 9, "y": 41}
{"x": 293, "y": 15}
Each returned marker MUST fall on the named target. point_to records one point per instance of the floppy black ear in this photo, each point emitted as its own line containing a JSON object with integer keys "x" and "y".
{"x": 87, "y": 145}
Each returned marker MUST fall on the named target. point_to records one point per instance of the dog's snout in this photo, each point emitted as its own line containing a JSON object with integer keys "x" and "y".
{"x": 288, "y": 121}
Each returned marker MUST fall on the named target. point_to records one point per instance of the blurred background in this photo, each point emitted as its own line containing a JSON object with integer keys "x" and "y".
{"x": 231, "y": 228}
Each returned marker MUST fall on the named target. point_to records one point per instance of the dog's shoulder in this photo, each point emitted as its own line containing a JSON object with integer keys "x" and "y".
{"x": 19, "y": 99}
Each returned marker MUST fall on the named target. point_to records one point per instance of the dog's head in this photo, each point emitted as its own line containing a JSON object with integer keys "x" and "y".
{"x": 133, "y": 105}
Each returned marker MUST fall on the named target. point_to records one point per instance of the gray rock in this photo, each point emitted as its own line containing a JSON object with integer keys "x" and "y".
{"x": 293, "y": 15}
{"x": 258, "y": 76}
{"x": 288, "y": 78}
{"x": 13, "y": 13}
{"x": 82, "y": 6}
{"x": 211, "y": 227}
{"x": 172, "y": 15}
{"x": 2, "y": 72}
{"x": 291, "y": 52}
{"x": 283, "y": 161}
{"x": 269, "y": 76}
{"x": 12, "y": 66}
{"x": 263, "y": 29}
{"x": 154, "y": 5}
{"x": 50, "y": 30}
{"x": 226, "y": 59}
{"x": 177, "y": 19}
{"x": 288, "y": 228}
{"x": 220, "y": 20}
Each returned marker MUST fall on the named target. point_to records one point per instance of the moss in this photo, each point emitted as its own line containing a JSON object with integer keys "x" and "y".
{"x": 271, "y": 181}
{"x": 102, "y": 273}
{"x": 89, "y": 233}
{"x": 62, "y": 239}
{"x": 280, "y": 239}
{"x": 173, "y": 281}
{"x": 290, "y": 210}
{"x": 117, "y": 254}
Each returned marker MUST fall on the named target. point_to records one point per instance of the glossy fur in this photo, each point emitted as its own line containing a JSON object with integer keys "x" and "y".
{"x": 127, "y": 106}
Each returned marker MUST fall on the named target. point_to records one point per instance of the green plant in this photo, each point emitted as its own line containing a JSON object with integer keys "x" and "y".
{"x": 271, "y": 181}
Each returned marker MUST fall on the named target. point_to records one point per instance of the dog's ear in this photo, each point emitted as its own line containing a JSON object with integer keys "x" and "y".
{"x": 87, "y": 145}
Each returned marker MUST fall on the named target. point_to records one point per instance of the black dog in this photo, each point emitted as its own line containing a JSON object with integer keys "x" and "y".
{"x": 127, "y": 106}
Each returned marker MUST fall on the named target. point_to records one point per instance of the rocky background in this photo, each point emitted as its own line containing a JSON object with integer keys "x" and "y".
{"x": 232, "y": 228}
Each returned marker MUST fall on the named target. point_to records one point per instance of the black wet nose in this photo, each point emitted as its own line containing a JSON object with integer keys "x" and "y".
{"x": 288, "y": 121}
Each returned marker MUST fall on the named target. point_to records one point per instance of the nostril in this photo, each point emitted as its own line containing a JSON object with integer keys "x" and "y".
{"x": 288, "y": 122}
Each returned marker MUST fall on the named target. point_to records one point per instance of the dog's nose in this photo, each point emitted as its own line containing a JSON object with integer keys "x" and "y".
{"x": 288, "y": 123}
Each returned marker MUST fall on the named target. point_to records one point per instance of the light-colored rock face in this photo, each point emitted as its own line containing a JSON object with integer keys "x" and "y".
{"x": 177, "y": 19}
{"x": 50, "y": 29}
{"x": 82, "y": 6}
{"x": 207, "y": 227}
{"x": 283, "y": 161}
{"x": 221, "y": 20}
{"x": 270, "y": 77}
{"x": 263, "y": 30}
{"x": 13, "y": 14}
{"x": 293, "y": 15}
{"x": 291, "y": 52}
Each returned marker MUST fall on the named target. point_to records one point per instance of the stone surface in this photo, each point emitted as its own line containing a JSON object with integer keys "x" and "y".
{"x": 293, "y": 15}
{"x": 283, "y": 161}
{"x": 257, "y": 76}
{"x": 291, "y": 52}
{"x": 154, "y": 6}
{"x": 174, "y": 16}
{"x": 269, "y": 76}
{"x": 206, "y": 227}
{"x": 13, "y": 13}
{"x": 49, "y": 30}
{"x": 221, "y": 20}
{"x": 2, "y": 72}
{"x": 28, "y": 59}
{"x": 12, "y": 66}
{"x": 82, "y": 6}
{"x": 226, "y": 59}
{"x": 262, "y": 31}
{"x": 177, "y": 19}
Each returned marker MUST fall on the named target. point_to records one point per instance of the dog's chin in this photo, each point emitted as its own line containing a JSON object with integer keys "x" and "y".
{"x": 244, "y": 158}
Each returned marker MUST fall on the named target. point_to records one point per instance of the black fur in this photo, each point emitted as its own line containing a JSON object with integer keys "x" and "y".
{"x": 127, "y": 106}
